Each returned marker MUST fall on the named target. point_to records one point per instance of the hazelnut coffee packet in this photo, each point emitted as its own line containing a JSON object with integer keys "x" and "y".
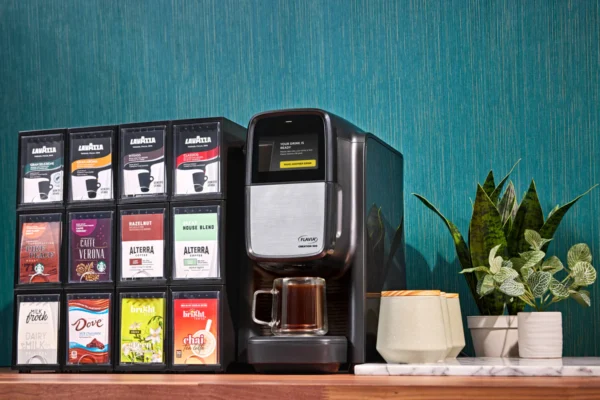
{"x": 196, "y": 327}
{"x": 142, "y": 328}
{"x": 90, "y": 246}
{"x": 37, "y": 330}
{"x": 88, "y": 329}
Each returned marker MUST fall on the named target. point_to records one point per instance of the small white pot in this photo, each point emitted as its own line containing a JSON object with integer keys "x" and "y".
{"x": 540, "y": 335}
{"x": 494, "y": 336}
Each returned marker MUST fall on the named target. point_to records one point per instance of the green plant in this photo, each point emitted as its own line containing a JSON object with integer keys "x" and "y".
{"x": 531, "y": 278}
{"x": 498, "y": 219}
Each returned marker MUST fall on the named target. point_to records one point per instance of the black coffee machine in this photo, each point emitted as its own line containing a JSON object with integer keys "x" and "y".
{"x": 323, "y": 199}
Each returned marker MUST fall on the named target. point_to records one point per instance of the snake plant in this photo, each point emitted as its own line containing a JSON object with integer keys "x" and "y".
{"x": 498, "y": 219}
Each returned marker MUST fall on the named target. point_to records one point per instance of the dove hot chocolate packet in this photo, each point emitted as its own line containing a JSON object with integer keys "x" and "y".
{"x": 88, "y": 329}
{"x": 142, "y": 328}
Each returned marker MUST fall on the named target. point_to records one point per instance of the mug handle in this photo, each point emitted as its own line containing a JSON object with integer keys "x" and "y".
{"x": 256, "y": 320}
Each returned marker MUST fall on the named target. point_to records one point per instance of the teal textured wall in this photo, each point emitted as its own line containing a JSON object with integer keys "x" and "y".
{"x": 458, "y": 86}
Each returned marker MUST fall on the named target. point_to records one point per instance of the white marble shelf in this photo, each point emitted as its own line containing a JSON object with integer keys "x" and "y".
{"x": 568, "y": 366}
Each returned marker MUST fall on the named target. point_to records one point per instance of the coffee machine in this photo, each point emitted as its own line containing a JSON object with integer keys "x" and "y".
{"x": 322, "y": 199}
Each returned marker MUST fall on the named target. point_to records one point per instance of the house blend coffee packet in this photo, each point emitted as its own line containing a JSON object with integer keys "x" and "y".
{"x": 143, "y": 152}
{"x": 196, "y": 330}
{"x": 39, "y": 258}
{"x": 88, "y": 330}
{"x": 42, "y": 158}
{"x": 142, "y": 334}
{"x": 90, "y": 247}
{"x": 37, "y": 330}
{"x": 197, "y": 158}
{"x": 196, "y": 236}
{"x": 91, "y": 166}
{"x": 142, "y": 244}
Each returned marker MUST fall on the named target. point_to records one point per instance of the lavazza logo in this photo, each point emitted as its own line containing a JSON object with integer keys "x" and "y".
{"x": 143, "y": 140}
{"x": 90, "y": 147}
{"x": 198, "y": 140}
{"x": 44, "y": 150}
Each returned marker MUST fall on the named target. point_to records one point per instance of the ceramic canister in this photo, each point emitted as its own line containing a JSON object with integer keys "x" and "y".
{"x": 446, "y": 318}
{"x": 411, "y": 327}
{"x": 456, "y": 325}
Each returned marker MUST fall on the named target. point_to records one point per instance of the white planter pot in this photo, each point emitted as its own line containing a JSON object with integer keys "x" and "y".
{"x": 494, "y": 336}
{"x": 540, "y": 335}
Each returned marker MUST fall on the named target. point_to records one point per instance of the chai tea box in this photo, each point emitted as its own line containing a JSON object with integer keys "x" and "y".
{"x": 41, "y": 167}
{"x": 37, "y": 330}
{"x": 196, "y": 244}
{"x": 142, "y": 247}
{"x": 91, "y": 247}
{"x": 39, "y": 249}
{"x": 91, "y": 158}
{"x": 142, "y": 318}
{"x": 143, "y": 161}
{"x": 196, "y": 328}
{"x": 89, "y": 339}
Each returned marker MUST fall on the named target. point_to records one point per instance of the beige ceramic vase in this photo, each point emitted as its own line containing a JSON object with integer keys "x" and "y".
{"x": 456, "y": 325}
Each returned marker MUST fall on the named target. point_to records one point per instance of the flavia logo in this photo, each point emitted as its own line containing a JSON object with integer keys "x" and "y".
{"x": 91, "y": 147}
{"x": 308, "y": 239}
{"x": 44, "y": 150}
{"x": 197, "y": 140}
{"x": 143, "y": 140}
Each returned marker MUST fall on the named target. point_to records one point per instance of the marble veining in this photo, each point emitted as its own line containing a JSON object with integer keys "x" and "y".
{"x": 481, "y": 366}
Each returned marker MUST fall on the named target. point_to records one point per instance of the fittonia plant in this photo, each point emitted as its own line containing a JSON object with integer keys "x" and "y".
{"x": 531, "y": 277}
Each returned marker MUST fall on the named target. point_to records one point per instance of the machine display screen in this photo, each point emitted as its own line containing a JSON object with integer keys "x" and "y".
{"x": 288, "y": 152}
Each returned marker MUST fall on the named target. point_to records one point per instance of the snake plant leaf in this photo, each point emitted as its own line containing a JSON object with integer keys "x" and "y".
{"x": 476, "y": 269}
{"x": 462, "y": 251}
{"x": 496, "y": 193}
{"x": 486, "y": 285}
{"x": 512, "y": 288}
{"x": 581, "y": 296}
{"x": 577, "y": 253}
{"x": 526, "y": 273}
{"x": 553, "y": 210}
{"x": 529, "y": 216}
{"x": 532, "y": 257}
{"x": 583, "y": 273}
{"x": 485, "y": 230}
{"x": 558, "y": 290}
{"x": 517, "y": 262}
{"x": 488, "y": 184}
{"x": 551, "y": 225}
{"x": 504, "y": 274}
{"x": 552, "y": 265}
{"x": 539, "y": 283}
{"x": 507, "y": 203}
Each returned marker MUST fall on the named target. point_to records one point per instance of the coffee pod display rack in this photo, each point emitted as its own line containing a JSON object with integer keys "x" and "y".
{"x": 129, "y": 242}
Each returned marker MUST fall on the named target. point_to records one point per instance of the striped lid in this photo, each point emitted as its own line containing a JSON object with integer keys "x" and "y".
{"x": 452, "y": 295}
{"x": 397, "y": 293}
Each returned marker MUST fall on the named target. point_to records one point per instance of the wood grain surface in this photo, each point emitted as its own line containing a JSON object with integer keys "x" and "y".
{"x": 347, "y": 387}
{"x": 459, "y": 87}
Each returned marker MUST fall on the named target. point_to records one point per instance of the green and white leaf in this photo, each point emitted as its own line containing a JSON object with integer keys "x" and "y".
{"x": 512, "y": 288}
{"x": 507, "y": 264}
{"x": 552, "y": 265}
{"x": 532, "y": 257}
{"x": 475, "y": 269}
{"x": 582, "y": 297}
{"x": 583, "y": 273}
{"x": 533, "y": 239}
{"x": 526, "y": 273}
{"x": 504, "y": 274}
{"x": 485, "y": 285}
{"x": 539, "y": 283}
{"x": 558, "y": 289}
{"x": 495, "y": 262}
{"x": 579, "y": 252}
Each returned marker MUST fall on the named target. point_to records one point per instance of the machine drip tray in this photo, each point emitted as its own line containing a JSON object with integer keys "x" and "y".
{"x": 287, "y": 354}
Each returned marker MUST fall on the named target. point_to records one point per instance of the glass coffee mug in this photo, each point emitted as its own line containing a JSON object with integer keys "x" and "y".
{"x": 299, "y": 307}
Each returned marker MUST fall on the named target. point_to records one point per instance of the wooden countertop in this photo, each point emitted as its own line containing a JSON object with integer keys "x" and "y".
{"x": 347, "y": 387}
